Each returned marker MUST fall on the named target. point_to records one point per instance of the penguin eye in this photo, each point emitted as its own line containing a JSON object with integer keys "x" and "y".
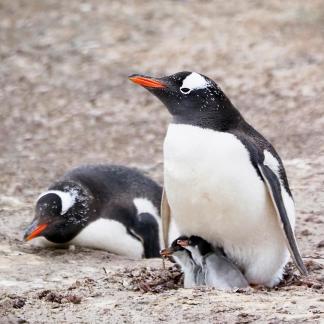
{"x": 185, "y": 90}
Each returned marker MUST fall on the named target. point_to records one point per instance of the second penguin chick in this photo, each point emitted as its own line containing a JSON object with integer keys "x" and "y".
{"x": 183, "y": 257}
{"x": 217, "y": 269}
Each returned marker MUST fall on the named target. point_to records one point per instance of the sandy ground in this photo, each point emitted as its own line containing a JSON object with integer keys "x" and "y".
{"x": 65, "y": 101}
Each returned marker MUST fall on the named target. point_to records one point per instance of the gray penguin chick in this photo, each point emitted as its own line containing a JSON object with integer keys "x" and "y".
{"x": 216, "y": 269}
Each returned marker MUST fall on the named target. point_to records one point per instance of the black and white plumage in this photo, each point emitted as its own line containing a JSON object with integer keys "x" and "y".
{"x": 107, "y": 207}
{"x": 223, "y": 180}
{"x": 216, "y": 269}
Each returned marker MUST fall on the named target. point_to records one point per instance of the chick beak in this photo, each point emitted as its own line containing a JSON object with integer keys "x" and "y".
{"x": 147, "y": 82}
{"x": 34, "y": 230}
{"x": 166, "y": 252}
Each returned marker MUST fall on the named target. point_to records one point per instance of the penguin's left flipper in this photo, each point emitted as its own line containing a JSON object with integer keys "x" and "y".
{"x": 147, "y": 229}
{"x": 274, "y": 187}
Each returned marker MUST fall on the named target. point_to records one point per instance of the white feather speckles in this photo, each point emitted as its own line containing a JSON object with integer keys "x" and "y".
{"x": 67, "y": 198}
{"x": 193, "y": 81}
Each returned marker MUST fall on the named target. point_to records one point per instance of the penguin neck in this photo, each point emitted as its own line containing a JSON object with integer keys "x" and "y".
{"x": 185, "y": 260}
{"x": 75, "y": 221}
{"x": 63, "y": 234}
{"x": 220, "y": 115}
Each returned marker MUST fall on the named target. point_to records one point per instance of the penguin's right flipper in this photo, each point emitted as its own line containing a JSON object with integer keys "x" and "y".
{"x": 166, "y": 218}
{"x": 274, "y": 188}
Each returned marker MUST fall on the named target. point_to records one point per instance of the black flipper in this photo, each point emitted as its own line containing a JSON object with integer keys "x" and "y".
{"x": 142, "y": 227}
{"x": 274, "y": 188}
{"x": 147, "y": 228}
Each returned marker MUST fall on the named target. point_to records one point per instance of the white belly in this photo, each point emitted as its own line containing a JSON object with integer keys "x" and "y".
{"x": 109, "y": 235}
{"x": 102, "y": 234}
{"x": 215, "y": 192}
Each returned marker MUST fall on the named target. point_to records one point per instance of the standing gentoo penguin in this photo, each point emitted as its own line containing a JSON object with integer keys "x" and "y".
{"x": 183, "y": 257}
{"x": 107, "y": 207}
{"x": 223, "y": 180}
{"x": 217, "y": 270}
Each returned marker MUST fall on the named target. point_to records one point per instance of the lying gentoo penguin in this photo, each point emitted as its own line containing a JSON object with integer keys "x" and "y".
{"x": 107, "y": 207}
{"x": 223, "y": 180}
{"x": 183, "y": 257}
{"x": 218, "y": 271}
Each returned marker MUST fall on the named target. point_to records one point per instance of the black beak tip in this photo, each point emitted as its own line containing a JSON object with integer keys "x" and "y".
{"x": 26, "y": 233}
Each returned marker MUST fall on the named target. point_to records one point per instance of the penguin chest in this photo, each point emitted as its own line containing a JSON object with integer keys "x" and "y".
{"x": 212, "y": 187}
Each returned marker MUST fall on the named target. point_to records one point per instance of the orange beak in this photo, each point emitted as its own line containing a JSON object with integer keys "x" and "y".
{"x": 34, "y": 232}
{"x": 147, "y": 82}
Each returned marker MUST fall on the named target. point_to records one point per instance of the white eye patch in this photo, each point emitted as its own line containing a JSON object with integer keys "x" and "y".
{"x": 193, "y": 81}
{"x": 67, "y": 198}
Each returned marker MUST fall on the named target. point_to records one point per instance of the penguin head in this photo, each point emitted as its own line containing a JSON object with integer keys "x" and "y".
{"x": 189, "y": 96}
{"x": 197, "y": 244}
{"x": 59, "y": 214}
{"x": 175, "y": 248}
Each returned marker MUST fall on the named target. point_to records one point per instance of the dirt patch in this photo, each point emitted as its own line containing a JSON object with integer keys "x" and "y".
{"x": 54, "y": 297}
{"x": 148, "y": 279}
{"x": 12, "y": 301}
{"x": 314, "y": 279}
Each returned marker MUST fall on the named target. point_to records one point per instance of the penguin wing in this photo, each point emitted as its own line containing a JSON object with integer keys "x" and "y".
{"x": 274, "y": 187}
{"x": 165, "y": 217}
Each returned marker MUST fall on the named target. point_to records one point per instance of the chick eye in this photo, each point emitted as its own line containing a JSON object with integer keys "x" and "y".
{"x": 185, "y": 90}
